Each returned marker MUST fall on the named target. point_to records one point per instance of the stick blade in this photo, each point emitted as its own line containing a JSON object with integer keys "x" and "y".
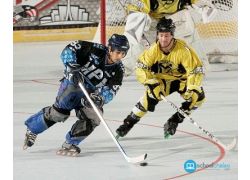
{"x": 138, "y": 159}
{"x": 231, "y": 145}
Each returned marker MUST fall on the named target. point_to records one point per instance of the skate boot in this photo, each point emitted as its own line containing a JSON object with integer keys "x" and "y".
{"x": 128, "y": 123}
{"x": 29, "y": 139}
{"x": 69, "y": 150}
{"x": 171, "y": 125}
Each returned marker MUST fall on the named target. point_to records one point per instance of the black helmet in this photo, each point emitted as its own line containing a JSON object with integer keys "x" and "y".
{"x": 165, "y": 25}
{"x": 118, "y": 42}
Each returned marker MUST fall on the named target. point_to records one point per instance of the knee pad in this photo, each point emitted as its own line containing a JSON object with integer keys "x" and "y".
{"x": 55, "y": 114}
{"x": 140, "y": 109}
{"x": 89, "y": 113}
{"x": 82, "y": 128}
{"x": 144, "y": 105}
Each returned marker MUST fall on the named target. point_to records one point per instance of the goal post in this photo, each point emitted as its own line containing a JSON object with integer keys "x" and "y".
{"x": 102, "y": 21}
{"x": 112, "y": 20}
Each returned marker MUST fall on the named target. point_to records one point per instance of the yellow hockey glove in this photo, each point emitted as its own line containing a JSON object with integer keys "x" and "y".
{"x": 154, "y": 88}
{"x": 192, "y": 94}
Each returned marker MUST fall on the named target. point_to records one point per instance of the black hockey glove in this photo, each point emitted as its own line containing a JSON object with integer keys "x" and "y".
{"x": 74, "y": 74}
{"x": 97, "y": 99}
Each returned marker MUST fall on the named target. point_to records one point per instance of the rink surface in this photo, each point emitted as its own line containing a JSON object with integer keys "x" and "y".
{"x": 37, "y": 70}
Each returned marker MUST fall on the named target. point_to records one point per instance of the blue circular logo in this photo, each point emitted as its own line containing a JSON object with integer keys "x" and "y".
{"x": 190, "y": 166}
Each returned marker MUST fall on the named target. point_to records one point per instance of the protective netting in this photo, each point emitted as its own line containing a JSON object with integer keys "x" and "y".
{"x": 218, "y": 37}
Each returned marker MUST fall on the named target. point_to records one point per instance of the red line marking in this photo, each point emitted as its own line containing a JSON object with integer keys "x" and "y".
{"x": 221, "y": 149}
{"x": 221, "y": 156}
{"x": 40, "y": 81}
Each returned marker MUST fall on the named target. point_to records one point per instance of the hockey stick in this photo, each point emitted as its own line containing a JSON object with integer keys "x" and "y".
{"x": 211, "y": 136}
{"x": 129, "y": 159}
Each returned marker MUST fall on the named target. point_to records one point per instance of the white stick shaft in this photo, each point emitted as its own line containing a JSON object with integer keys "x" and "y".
{"x": 211, "y": 136}
{"x": 132, "y": 160}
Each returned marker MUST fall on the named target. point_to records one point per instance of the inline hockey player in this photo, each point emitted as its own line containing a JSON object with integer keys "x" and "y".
{"x": 143, "y": 16}
{"x": 101, "y": 71}
{"x": 168, "y": 66}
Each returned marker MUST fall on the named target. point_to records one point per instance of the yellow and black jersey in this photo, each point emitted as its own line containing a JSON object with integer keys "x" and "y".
{"x": 181, "y": 63}
{"x": 159, "y": 8}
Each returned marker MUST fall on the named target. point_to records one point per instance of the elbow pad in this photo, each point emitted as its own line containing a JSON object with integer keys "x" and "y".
{"x": 107, "y": 94}
{"x": 68, "y": 56}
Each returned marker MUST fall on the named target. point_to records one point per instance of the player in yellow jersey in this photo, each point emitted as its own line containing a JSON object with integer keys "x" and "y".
{"x": 143, "y": 16}
{"x": 168, "y": 66}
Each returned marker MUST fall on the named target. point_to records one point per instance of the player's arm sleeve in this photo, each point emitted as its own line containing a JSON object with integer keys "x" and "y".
{"x": 194, "y": 68}
{"x": 143, "y": 66}
{"x": 109, "y": 91}
{"x": 70, "y": 54}
{"x": 140, "y": 6}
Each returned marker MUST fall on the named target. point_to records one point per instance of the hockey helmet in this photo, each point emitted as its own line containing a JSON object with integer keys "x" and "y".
{"x": 165, "y": 25}
{"x": 119, "y": 42}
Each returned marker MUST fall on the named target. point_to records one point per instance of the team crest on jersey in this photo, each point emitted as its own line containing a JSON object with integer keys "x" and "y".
{"x": 165, "y": 67}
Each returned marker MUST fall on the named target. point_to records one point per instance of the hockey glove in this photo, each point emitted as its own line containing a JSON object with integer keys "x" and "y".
{"x": 97, "y": 99}
{"x": 193, "y": 94}
{"x": 74, "y": 74}
{"x": 154, "y": 88}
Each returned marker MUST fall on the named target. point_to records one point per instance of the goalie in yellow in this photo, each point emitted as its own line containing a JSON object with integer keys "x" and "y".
{"x": 143, "y": 16}
{"x": 168, "y": 66}
{"x": 159, "y": 8}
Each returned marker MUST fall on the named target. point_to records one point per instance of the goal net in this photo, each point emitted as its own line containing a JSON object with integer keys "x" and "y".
{"x": 218, "y": 38}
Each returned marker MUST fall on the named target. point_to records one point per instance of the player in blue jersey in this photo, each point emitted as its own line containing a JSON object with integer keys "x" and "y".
{"x": 101, "y": 71}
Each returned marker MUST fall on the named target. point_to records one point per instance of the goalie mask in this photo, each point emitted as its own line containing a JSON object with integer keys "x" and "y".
{"x": 119, "y": 42}
{"x": 165, "y": 25}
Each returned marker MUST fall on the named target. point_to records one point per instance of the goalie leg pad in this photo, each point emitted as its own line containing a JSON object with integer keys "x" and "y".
{"x": 129, "y": 61}
{"x": 136, "y": 24}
